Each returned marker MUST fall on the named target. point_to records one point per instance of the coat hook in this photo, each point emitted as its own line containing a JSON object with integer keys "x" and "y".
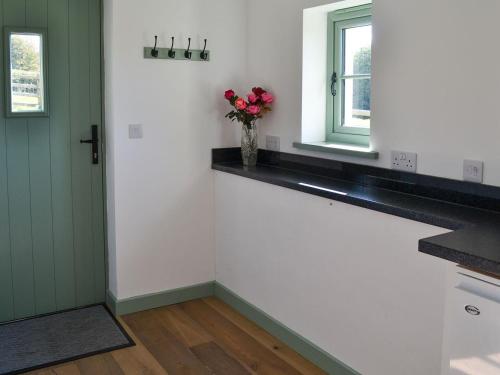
{"x": 154, "y": 51}
{"x": 171, "y": 52}
{"x": 204, "y": 54}
{"x": 188, "y": 53}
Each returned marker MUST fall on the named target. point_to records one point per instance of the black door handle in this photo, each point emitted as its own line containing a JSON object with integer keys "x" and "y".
{"x": 95, "y": 144}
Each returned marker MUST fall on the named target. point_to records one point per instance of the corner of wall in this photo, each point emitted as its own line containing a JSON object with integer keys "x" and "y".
{"x": 108, "y": 26}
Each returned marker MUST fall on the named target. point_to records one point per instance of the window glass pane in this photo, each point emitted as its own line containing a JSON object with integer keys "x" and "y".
{"x": 358, "y": 50}
{"x": 26, "y": 73}
{"x": 356, "y": 103}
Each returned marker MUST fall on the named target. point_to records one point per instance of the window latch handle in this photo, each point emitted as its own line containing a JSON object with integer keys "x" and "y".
{"x": 333, "y": 85}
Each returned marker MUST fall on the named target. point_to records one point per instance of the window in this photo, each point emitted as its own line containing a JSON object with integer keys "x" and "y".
{"x": 349, "y": 74}
{"x": 26, "y": 88}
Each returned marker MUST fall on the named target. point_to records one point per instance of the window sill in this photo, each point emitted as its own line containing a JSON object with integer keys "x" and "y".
{"x": 339, "y": 149}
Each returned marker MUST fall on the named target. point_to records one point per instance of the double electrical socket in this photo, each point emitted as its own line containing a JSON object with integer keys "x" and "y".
{"x": 404, "y": 161}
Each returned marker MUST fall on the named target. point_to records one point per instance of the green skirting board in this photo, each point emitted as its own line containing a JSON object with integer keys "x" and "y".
{"x": 152, "y": 301}
{"x": 298, "y": 343}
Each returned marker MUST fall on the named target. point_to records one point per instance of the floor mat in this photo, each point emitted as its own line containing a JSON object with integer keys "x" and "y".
{"x": 61, "y": 337}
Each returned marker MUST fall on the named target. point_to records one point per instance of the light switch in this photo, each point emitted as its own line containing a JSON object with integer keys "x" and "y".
{"x": 135, "y": 131}
{"x": 473, "y": 171}
{"x": 273, "y": 143}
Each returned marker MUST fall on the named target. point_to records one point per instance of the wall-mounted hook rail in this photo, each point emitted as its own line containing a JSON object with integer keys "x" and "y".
{"x": 154, "y": 51}
{"x": 177, "y": 53}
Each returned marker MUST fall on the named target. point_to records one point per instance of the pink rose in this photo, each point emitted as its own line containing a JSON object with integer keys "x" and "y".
{"x": 240, "y": 104}
{"x": 252, "y": 98}
{"x": 229, "y": 94}
{"x": 253, "y": 110}
{"x": 267, "y": 98}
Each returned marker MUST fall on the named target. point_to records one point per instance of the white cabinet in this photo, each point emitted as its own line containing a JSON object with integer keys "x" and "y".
{"x": 472, "y": 325}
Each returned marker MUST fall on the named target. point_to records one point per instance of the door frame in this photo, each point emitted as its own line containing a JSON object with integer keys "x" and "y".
{"x": 103, "y": 149}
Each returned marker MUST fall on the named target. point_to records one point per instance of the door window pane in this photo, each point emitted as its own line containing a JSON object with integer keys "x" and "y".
{"x": 26, "y": 73}
{"x": 357, "y": 50}
{"x": 357, "y": 103}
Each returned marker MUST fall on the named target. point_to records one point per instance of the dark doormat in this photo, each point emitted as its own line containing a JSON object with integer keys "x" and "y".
{"x": 57, "y": 338}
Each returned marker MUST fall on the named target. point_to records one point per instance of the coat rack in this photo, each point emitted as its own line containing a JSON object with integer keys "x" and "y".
{"x": 177, "y": 53}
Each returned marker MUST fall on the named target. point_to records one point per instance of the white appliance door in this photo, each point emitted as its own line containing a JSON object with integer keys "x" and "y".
{"x": 474, "y": 328}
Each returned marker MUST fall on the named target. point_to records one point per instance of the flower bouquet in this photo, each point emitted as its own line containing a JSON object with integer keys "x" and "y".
{"x": 247, "y": 112}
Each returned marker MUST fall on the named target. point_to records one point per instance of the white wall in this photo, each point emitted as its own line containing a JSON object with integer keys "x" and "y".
{"x": 349, "y": 279}
{"x": 435, "y": 79}
{"x": 160, "y": 188}
{"x": 369, "y": 299}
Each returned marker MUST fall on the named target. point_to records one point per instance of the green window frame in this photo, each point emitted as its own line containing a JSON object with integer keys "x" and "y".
{"x": 338, "y": 22}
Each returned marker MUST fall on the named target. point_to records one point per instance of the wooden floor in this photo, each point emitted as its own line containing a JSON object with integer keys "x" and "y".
{"x": 198, "y": 337}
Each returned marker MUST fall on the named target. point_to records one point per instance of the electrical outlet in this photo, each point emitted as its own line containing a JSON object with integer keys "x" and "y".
{"x": 272, "y": 143}
{"x": 473, "y": 171}
{"x": 135, "y": 131}
{"x": 404, "y": 161}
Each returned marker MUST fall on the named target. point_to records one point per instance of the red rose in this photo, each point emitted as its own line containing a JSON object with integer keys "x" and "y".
{"x": 240, "y": 104}
{"x": 258, "y": 91}
{"x": 229, "y": 94}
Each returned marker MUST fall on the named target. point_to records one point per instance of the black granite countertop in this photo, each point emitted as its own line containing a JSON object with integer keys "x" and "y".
{"x": 470, "y": 211}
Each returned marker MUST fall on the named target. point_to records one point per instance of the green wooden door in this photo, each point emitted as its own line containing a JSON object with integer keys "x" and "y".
{"x": 52, "y": 253}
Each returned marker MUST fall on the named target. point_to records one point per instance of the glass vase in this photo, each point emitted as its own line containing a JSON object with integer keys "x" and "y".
{"x": 249, "y": 144}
